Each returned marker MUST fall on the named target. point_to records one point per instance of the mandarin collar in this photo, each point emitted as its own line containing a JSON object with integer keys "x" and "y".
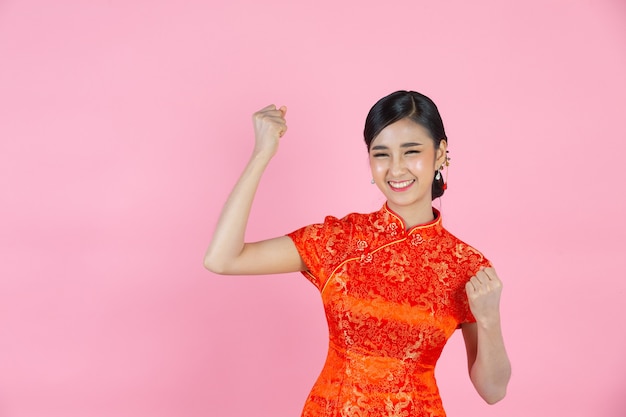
{"x": 392, "y": 218}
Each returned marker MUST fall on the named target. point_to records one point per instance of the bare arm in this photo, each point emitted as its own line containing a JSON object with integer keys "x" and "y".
{"x": 488, "y": 362}
{"x": 227, "y": 253}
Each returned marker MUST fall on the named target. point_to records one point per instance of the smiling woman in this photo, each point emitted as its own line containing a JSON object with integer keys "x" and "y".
{"x": 395, "y": 283}
{"x": 404, "y": 162}
{"x": 422, "y": 111}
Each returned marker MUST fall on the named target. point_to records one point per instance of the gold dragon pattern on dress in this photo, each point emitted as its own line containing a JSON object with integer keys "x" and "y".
{"x": 392, "y": 297}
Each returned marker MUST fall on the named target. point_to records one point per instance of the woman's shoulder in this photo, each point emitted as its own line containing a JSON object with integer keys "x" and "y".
{"x": 461, "y": 249}
{"x": 351, "y": 219}
{"x": 357, "y": 218}
{"x": 347, "y": 227}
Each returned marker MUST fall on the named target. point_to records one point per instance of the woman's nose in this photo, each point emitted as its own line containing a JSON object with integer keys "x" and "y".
{"x": 397, "y": 166}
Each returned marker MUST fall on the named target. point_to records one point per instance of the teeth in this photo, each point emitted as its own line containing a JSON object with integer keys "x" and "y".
{"x": 400, "y": 184}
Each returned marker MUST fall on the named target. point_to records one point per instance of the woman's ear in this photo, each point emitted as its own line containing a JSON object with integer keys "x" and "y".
{"x": 442, "y": 153}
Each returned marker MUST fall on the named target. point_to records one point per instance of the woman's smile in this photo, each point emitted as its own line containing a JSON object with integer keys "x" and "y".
{"x": 400, "y": 185}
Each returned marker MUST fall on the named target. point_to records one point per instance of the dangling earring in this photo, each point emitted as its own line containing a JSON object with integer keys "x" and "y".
{"x": 446, "y": 163}
{"x": 373, "y": 182}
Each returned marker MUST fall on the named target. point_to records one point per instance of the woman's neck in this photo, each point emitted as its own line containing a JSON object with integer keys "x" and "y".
{"x": 414, "y": 216}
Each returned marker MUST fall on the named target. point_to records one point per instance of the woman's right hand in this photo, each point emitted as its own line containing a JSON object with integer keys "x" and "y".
{"x": 269, "y": 126}
{"x": 229, "y": 253}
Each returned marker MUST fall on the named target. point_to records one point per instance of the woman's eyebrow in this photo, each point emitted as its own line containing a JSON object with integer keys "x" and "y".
{"x": 404, "y": 145}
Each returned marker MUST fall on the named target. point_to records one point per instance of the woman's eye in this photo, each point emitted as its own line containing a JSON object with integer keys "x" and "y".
{"x": 412, "y": 151}
{"x": 380, "y": 155}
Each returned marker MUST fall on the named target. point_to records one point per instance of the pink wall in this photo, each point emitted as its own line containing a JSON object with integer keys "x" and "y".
{"x": 123, "y": 126}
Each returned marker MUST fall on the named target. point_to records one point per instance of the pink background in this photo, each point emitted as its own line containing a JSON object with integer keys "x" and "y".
{"x": 124, "y": 125}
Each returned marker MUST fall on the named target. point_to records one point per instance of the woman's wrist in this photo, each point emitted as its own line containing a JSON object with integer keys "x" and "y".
{"x": 490, "y": 323}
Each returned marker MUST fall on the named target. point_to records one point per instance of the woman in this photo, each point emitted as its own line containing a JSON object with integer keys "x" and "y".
{"x": 395, "y": 284}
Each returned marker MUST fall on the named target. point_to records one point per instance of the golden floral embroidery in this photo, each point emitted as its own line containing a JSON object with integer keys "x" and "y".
{"x": 392, "y": 229}
{"x": 366, "y": 257}
{"x": 417, "y": 239}
{"x": 392, "y": 299}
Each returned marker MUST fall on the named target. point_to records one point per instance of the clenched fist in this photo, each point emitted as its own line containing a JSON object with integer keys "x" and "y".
{"x": 269, "y": 126}
{"x": 483, "y": 292}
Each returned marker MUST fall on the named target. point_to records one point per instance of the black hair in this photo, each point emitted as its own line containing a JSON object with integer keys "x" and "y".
{"x": 407, "y": 105}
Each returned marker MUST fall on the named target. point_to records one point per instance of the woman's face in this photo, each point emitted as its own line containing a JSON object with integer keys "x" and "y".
{"x": 403, "y": 160}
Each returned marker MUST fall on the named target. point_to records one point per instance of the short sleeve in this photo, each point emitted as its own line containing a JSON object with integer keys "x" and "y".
{"x": 322, "y": 247}
{"x": 473, "y": 261}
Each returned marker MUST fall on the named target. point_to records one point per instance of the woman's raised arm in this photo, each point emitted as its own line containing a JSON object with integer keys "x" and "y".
{"x": 227, "y": 253}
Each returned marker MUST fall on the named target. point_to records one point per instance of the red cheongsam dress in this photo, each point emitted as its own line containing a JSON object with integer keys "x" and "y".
{"x": 392, "y": 299}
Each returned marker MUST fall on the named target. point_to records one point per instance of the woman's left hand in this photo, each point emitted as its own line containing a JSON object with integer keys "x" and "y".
{"x": 483, "y": 292}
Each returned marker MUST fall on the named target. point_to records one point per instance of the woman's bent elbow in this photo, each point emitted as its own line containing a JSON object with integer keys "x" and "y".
{"x": 213, "y": 266}
{"x": 494, "y": 396}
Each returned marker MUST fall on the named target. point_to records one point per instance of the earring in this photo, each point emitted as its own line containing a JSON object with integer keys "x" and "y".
{"x": 446, "y": 163}
{"x": 373, "y": 182}
{"x": 438, "y": 175}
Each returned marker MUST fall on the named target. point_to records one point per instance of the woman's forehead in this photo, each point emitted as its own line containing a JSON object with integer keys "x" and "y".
{"x": 401, "y": 133}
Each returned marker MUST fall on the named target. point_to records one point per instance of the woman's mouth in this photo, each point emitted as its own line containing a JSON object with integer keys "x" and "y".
{"x": 400, "y": 185}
